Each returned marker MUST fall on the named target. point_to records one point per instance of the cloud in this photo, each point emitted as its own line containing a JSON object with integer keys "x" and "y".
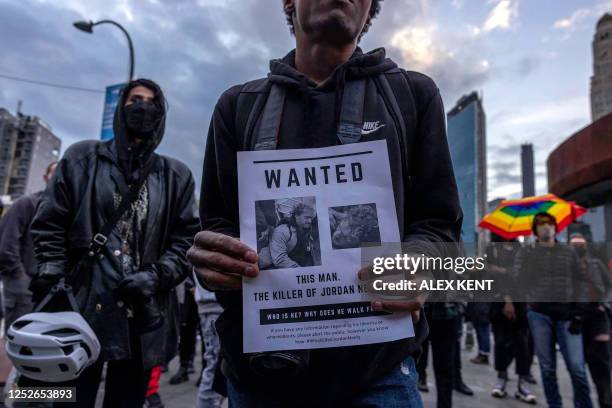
{"x": 417, "y": 46}
{"x": 453, "y": 58}
{"x": 571, "y": 21}
{"x": 571, "y": 109}
{"x": 582, "y": 17}
{"x": 503, "y": 16}
{"x": 194, "y": 49}
{"x": 458, "y": 4}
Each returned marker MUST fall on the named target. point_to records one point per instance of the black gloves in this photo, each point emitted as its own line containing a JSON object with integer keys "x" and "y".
{"x": 138, "y": 286}
{"x": 575, "y": 326}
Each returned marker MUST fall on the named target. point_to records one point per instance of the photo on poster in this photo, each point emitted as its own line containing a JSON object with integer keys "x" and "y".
{"x": 287, "y": 233}
{"x": 353, "y": 226}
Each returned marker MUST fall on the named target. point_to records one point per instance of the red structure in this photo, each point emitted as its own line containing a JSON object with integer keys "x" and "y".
{"x": 580, "y": 168}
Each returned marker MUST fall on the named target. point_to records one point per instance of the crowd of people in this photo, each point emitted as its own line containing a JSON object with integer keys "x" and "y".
{"x": 118, "y": 224}
{"x": 524, "y": 329}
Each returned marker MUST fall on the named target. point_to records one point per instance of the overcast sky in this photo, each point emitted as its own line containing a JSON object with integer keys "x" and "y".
{"x": 531, "y": 60}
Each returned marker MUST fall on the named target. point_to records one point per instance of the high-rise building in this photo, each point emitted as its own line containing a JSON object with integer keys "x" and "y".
{"x": 527, "y": 170}
{"x": 601, "y": 81}
{"x": 9, "y": 126}
{"x": 467, "y": 141}
{"x": 493, "y": 204}
{"x": 27, "y": 147}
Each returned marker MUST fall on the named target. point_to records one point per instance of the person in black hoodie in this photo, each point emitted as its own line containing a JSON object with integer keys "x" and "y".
{"x": 314, "y": 75}
{"x": 17, "y": 263}
{"x": 125, "y": 286}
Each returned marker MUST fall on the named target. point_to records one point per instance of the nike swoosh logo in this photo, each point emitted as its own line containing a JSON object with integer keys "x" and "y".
{"x": 367, "y": 132}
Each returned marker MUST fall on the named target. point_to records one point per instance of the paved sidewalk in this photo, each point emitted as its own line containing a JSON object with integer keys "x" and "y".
{"x": 481, "y": 378}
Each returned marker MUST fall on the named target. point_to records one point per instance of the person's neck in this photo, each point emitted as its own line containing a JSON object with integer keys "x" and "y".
{"x": 319, "y": 60}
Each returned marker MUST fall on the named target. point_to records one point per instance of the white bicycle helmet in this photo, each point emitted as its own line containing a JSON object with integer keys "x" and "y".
{"x": 52, "y": 347}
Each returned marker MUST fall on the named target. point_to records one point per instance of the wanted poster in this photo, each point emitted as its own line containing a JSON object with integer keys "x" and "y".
{"x": 308, "y": 212}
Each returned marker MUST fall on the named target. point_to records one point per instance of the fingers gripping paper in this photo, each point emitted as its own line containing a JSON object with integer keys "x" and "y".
{"x": 308, "y": 212}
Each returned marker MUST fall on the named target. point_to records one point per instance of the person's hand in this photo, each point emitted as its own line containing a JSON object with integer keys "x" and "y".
{"x": 220, "y": 261}
{"x": 413, "y": 300}
{"x": 509, "y": 311}
{"x": 138, "y": 286}
{"x": 413, "y": 306}
{"x": 575, "y": 326}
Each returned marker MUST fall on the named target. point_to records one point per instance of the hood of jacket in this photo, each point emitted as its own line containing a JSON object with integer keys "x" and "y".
{"x": 132, "y": 158}
{"x": 360, "y": 65}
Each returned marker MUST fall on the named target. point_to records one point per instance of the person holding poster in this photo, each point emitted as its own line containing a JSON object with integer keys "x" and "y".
{"x": 357, "y": 148}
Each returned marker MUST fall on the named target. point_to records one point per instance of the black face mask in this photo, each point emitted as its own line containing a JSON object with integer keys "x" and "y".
{"x": 142, "y": 117}
{"x": 580, "y": 250}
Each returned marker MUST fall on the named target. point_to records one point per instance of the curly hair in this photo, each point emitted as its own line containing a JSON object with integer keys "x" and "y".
{"x": 374, "y": 10}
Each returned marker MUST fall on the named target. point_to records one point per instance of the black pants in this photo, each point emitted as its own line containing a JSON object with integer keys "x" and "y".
{"x": 444, "y": 341}
{"x": 511, "y": 343}
{"x": 597, "y": 354}
{"x": 126, "y": 383}
{"x": 457, "y": 377}
{"x": 189, "y": 328}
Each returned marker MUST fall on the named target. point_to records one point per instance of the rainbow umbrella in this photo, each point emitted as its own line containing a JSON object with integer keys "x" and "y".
{"x": 513, "y": 218}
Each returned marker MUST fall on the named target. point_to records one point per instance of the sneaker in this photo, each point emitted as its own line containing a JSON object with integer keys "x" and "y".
{"x": 422, "y": 385}
{"x": 154, "y": 401}
{"x": 190, "y": 368}
{"x": 480, "y": 359}
{"x": 499, "y": 391}
{"x": 523, "y": 393}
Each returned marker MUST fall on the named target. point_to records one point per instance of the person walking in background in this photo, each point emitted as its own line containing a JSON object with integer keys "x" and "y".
{"x": 549, "y": 271}
{"x": 596, "y": 324}
{"x": 478, "y": 312}
{"x": 188, "y": 333}
{"x": 209, "y": 311}
{"x": 509, "y": 321}
{"x": 458, "y": 384}
{"x": 17, "y": 262}
{"x": 444, "y": 320}
{"x": 153, "y": 399}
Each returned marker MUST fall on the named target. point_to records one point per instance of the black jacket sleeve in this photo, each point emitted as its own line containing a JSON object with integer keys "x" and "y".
{"x": 15, "y": 225}
{"x": 218, "y": 199}
{"x": 173, "y": 267}
{"x": 433, "y": 211}
{"x": 52, "y": 220}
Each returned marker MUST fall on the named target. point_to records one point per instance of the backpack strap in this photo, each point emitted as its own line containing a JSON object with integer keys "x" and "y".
{"x": 60, "y": 287}
{"x": 351, "y": 113}
{"x": 100, "y": 239}
{"x": 263, "y": 99}
{"x": 269, "y": 127}
{"x": 248, "y": 108}
{"x": 397, "y": 93}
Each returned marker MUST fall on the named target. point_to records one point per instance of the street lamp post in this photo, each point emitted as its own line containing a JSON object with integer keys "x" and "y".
{"x": 87, "y": 26}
